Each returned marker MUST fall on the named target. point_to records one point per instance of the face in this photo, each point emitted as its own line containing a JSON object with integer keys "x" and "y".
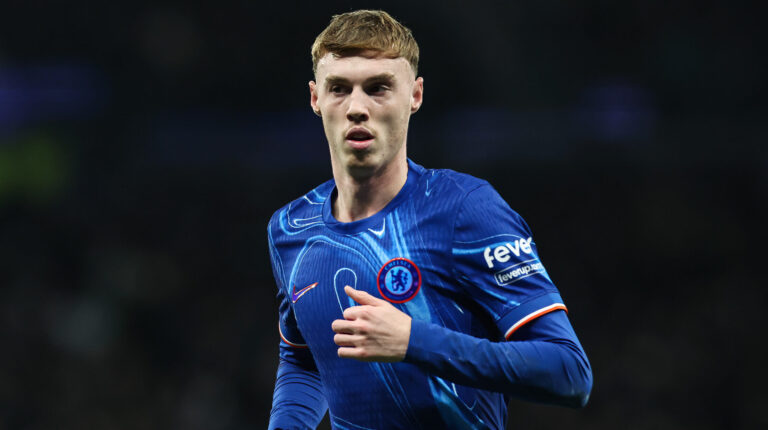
{"x": 365, "y": 103}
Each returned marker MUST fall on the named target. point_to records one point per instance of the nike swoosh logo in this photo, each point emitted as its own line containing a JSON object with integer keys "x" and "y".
{"x": 296, "y": 294}
{"x": 379, "y": 233}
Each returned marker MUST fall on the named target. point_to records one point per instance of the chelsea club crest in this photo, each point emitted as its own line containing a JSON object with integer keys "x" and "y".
{"x": 399, "y": 280}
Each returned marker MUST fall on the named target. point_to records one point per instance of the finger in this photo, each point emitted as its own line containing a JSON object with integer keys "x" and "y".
{"x": 355, "y": 312}
{"x": 347, "y": 339}
{"x": 343, "y": 326}
{"x": 361, "y": 297}
{"x": 355, "y": 353}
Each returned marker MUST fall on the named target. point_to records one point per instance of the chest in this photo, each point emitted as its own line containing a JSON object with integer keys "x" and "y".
{"x": 394, "y": 262}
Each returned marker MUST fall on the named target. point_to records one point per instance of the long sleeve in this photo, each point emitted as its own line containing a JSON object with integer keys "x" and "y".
{"x": 536, "y": 355}
{"x": 298, "y": 401}
{"x": 544, "y": 361}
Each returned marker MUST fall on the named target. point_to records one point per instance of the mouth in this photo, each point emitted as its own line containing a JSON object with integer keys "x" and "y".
{"x": 359, "y": 138}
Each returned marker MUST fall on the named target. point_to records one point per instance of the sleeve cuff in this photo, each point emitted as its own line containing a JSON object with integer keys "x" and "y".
{"x": 529, "y": 311}
{"x": 420, "y": 344}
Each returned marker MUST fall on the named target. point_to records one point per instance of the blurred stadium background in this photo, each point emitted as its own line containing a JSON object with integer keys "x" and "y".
{"x": 144, "y": 145}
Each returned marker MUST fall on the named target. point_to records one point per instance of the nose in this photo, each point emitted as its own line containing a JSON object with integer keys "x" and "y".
{"x": 357, "y": 111}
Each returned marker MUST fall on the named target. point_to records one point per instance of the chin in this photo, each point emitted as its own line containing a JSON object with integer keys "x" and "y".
{"x": 361, "y": 165}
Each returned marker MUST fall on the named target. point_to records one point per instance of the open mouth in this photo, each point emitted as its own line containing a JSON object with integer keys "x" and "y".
{"x": 359, "y": 138}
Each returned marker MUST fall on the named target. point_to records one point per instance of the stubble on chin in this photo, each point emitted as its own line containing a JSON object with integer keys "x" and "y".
{"x": 360, "y": 164}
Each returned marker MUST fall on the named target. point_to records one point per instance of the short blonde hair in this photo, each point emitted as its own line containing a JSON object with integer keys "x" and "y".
{"x": 352, "y": 33}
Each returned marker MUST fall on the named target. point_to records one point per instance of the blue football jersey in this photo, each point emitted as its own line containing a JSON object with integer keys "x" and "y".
{"x": 447, "y": 250}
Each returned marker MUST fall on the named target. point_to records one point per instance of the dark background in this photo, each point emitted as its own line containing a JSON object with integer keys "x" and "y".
{"x": 144, "y": 145}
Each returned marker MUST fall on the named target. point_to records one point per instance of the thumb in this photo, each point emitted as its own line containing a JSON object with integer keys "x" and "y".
{"x": 361, "y": 297}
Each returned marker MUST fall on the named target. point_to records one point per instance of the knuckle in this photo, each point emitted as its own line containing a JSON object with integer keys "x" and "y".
{"x": 363, "y": 328}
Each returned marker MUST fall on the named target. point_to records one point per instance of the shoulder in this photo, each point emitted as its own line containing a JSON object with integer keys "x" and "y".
{"x": 452, "y": 181}
{"x": 458, "y": 190}
{"x": 474, "y": 200}
{"x": 302, "y": 209}
{"x": 449, "y": 184}
{"x": 465, "y": 199}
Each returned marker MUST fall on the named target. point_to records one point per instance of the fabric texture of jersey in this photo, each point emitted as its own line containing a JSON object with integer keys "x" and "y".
{"x": 446, "y": 250}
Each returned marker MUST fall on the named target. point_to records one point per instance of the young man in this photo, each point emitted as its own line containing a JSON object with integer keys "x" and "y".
{"x": 410, "y": 298}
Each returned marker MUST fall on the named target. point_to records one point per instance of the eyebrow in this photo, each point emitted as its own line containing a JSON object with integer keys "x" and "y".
{"x": 333, "y": 79}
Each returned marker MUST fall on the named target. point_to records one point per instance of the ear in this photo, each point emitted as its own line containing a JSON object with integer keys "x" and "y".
{"x": 417, "y": 96}
{"x": 313, "y": 97}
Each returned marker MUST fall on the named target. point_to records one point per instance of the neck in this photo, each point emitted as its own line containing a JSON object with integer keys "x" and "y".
{"x": 361, "y": 197}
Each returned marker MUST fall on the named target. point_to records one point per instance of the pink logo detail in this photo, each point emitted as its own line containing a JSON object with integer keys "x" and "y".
{"x": 296, "y": 294}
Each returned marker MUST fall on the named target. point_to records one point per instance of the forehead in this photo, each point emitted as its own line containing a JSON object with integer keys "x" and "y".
{"x": 361, "y": 67}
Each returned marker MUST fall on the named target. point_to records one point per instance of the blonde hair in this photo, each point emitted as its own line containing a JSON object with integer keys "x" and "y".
{"x": 353, "y": 33}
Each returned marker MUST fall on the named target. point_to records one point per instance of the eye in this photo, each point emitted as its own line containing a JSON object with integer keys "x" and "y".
{"x": 377, "y": 89}
{"x": 337, "y": 89}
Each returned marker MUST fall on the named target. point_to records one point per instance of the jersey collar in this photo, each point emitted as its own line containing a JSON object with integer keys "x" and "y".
{"x": 414, "y": 173}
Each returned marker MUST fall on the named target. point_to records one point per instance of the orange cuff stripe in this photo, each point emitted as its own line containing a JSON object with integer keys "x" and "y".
{"x": 295, "y": 345}
{"x": 532, "y": 316}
